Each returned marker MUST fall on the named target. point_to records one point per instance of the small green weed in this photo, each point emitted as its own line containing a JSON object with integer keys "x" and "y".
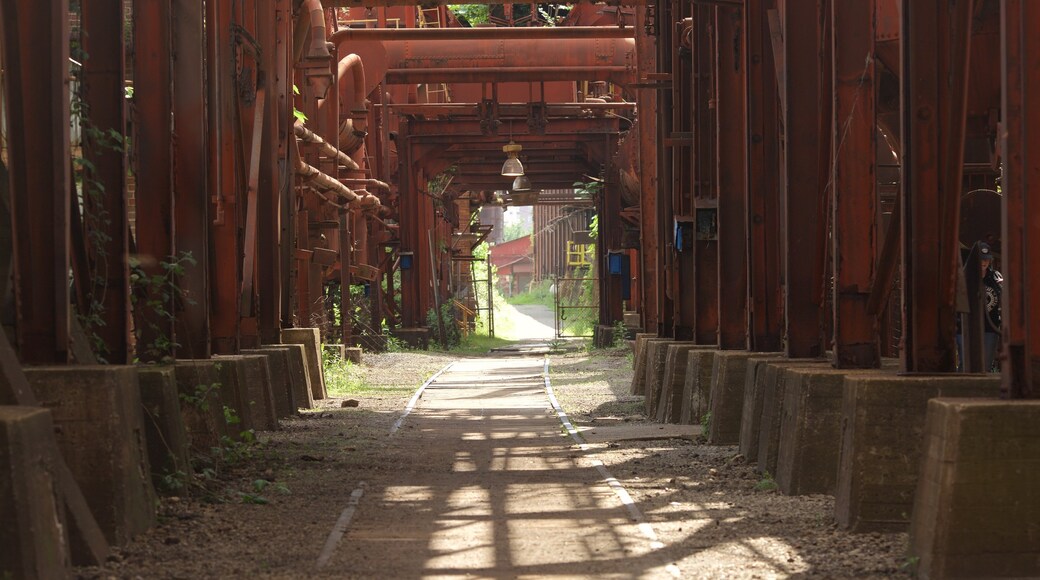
{"x": 705, "y": 423}
{"x": 767, "y": 483}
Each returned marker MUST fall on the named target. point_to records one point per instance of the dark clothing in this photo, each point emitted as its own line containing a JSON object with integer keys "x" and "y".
{"x": 992, "y": 283}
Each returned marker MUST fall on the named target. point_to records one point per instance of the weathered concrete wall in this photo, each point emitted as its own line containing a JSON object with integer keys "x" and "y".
{"x": 281, "y": 379}
{"x": 205, "y": 387}
{"x": 669, "y": 407}
{"x": 727, "y": 396}
{"x": 253, "y": 390}
{"x": 34, "y": 540}
{"x": 977, "y": 505}
{"x": 100, "y": 433}
{"x": 751, "y": 411}
{"x": 165, "y": 433}
{"x": 299, "y": 372}
{"x": 774, "y": 388}
{"x": 640, "y": 374}
{"x": 311, "y": 339}
{"x": 883, "y": 421}
{"x": 697, "y": 386}
{"x": 656, "y": 351}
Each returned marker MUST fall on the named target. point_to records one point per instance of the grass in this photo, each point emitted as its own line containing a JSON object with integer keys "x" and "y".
{"x": 343, "y": 377}
{"x": 538, "y": 294}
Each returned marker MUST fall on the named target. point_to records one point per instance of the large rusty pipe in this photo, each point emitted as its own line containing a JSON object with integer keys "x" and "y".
{"x": 483, "y": 33}
{"x": 308, "y": 136}
{"x": 352, "y": 133}
{"x": 616, "y": 74}
{"x": 311, "y": 19}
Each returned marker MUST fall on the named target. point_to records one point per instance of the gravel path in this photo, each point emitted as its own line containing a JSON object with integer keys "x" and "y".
{"x": 711, "y": 511}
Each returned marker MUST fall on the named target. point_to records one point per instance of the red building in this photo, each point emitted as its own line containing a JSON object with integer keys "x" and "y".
{"x": 515, "y": 263}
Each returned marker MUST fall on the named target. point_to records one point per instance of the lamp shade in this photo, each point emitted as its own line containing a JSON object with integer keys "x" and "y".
{"x": 521, "y": 183}
{"x": 512, "y": 167}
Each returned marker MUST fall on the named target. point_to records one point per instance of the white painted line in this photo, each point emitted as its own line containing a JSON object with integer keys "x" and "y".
{"x": 416, "y": 397}
{"x": 341, "y": 525}
{"x": 626, "y": 499}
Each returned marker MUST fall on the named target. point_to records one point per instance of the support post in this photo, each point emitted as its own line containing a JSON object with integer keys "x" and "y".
{"x": 854, "y": 236}
{"x": 105, "y": 107}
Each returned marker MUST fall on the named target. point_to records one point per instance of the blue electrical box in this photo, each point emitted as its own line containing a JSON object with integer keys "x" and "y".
{"x": 406, "y": 260}
{"x": 615, "y": 261}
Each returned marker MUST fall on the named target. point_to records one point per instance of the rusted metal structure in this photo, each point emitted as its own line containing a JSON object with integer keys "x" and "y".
{"x": 283, "y": 152}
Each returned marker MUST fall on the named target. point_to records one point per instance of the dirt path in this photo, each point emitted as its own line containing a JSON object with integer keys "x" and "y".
{"x": 493, "y": 490}
{"x": 534, "y": 322}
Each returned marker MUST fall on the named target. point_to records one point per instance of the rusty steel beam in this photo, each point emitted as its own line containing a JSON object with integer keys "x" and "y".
{"x": 191, "y": 202}
{"x": 36, "y": 62}
{"x": 503, "y": 74}
{"x": 765, "y": 299}
{"x": 225, "y": 268}
{"x": 105, "y": 110}
{"x": 804, "y": 193}
{"x": 731, "y": 85}
{"x": 484, "y": 33}
{"x": 432, "y": 3}
{"x": 153, "y": 101}
{"x": 935, "y": 47}
{"x": 663, "y": 23}
{"x": 650, "y": 272}
{"x": 1020, "y": 148}
{"x": 504, "y": 110}
{"x": 696, "y": 175}
{"x": 856, "y": 341}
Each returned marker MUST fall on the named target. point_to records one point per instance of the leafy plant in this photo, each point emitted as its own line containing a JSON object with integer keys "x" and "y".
{"x": 474, "y": 14}
{"x": 159, "y": 291}
{"x": 618, "y": 333}
{"x": 767, "y": 483}
{"x": 706, "y": 423}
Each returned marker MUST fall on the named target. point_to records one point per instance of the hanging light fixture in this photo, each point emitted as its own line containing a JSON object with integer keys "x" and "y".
{"x": 512, "y": 167}
{"x": 521, "y": 183}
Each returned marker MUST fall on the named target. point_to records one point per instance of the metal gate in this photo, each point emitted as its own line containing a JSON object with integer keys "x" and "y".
{"x": 577, "y": 306}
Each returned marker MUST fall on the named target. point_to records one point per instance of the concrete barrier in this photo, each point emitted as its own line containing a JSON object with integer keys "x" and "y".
{"x": 310, "y": 338}
{"x": 280, "y": 377}
{"x": 883, "y": 420}
{"x": 656, "y": 350}
{"x": 299, "y": 373}
{"x": 205, "y": 387}
{"x": 669, "y": 406}
{"x": 751, "y": 410}
{"x": 100, "y": 433}
{"x": 165, "y": 433}
{"x": 253, "y": 391}
{"x": 697, "y": 386}
{"x": 773, "y": 386}
{"x": 639, "y": 365}
{"x": 34, "y": 541}
{"x": 727, "y": 396}
{"x": 976, "y": 507}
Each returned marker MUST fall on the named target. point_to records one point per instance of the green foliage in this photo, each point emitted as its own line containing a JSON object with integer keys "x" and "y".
{"x": 473, "y": 13}
{"x": 201, "y": 396}
{"x": 171, "y": 483}
{"x": 539, "y": 293}
{"x": 618, "y": 333}
{"x": 517, "y": 230}
{"x": 342, "y": 377}
{"x": 705, "y": 423}
{"x": 767, "y": 483}
{"x": 451, "y": 328}
{"x": 159, "y": 290}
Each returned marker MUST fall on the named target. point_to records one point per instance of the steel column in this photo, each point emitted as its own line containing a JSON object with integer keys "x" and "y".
{"x": 191, "y": 183}
{"x": 104, "y": 69}
{"x": 650, "y": 275}
{"x": 225, "y": 261}
{"x": 731, "y": 114}
{"x": 803, "y": 89}
{"x": 765, "y": 300}
{"x": 701, "y": 179}
{"x": 1020, "y": 149}
{"x": 935, "y": 45}
{"x": 856, "y": 343}
{"x": 36, "y": 62}
{"x": 153, "y": 101}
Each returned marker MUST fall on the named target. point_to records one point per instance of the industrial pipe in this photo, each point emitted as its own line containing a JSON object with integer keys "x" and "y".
{"x": 483, "y": 33}
{"x": 308, "y": 136}
{"x": 406, "y": 76}
{"x": 353, "y": 130}
{"x": 317, "y": 58}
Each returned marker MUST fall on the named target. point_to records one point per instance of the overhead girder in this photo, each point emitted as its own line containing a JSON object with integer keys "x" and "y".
{"x": 484, "y": 33}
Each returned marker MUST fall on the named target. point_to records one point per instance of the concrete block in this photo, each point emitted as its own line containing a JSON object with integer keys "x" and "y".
{"x": 727, "y": 396}
{"x": 883, "y": 421}
{"x": 165, "y": 433}
{"x": 632, "y": 320}
{"x": 100, "y": 433}
{"x": 639, "y": 364}
{"x": 205, "y": 387}
{"x": 656, "y": 350}
{"x": 751, "y": 410}
{"x": 352, "y": 354}
{"x": 697, "y": 386}
{"x": 310, "y": 338}
{"x": 603, "y": 336}
{"x": 34, "y": 540}
{"x": 810, "y": 430}
{"x": 302, "y": 394}
{"x": 280, "y": 377}
{"x": 253, "y": 391}
{"x": 976, "y": 506}
{"x": 669, "y": 406}
{"x": 773, "y": 393}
